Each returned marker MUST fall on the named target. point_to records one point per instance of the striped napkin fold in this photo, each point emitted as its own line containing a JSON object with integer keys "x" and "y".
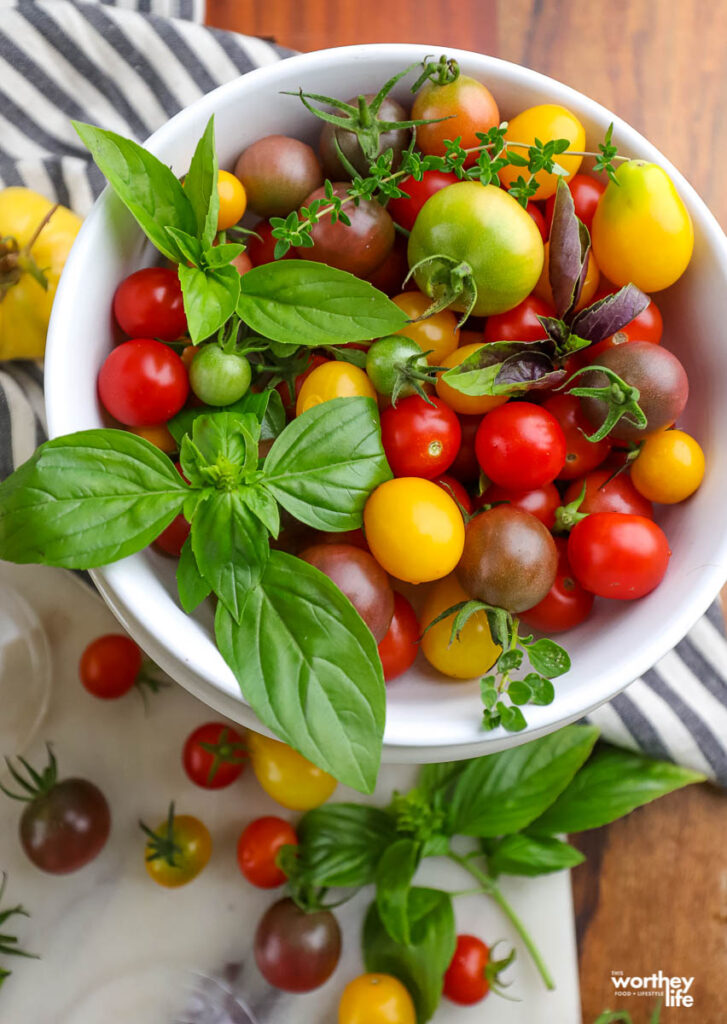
{"x": 131, "y": 65}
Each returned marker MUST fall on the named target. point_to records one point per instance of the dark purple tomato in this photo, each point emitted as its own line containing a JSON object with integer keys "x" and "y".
{"x": 509, "y": 559}
{"x": 362, "y": 580}
{"x": 360, "y": 247}
{"x": 67, "y": 827}
{"x": 278, "y": 173}
{"x": 398, "y": 140}
{"x": 656, "y": 372}
{"x": 296, "y": 951}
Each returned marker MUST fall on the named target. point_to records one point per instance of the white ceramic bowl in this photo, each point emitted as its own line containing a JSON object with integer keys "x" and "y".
{"x": 429, "y": 719}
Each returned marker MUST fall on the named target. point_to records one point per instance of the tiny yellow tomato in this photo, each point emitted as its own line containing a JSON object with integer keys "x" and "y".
{"x": 288, "y": 777}
{"x": 333, "y": 379}
{"x": 438, "y": 335}
{"x": 376, "y": 999}
{"x": 545, "y": 122}
{"x": 470, "y": 654}
{"x": 469, "y": 405}
{"x": 669, "y": 468}
{"x": 233, "y": 200}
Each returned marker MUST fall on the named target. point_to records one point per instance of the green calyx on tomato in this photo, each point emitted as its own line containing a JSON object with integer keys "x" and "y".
{"x": 621, "y": 399}
{"x": 398, "y": 368}
{"x": 566, "y": 516}
{"x": 162, "y": 844}
{"x": 9, "y": 943}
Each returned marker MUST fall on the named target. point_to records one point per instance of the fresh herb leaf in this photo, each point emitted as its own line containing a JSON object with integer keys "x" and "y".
{"x": 607, "y": 316}
{"x": 394, "y": 875}
{"x": 88, "y": 499}
{"x": 292, "y": 653}
{"x": 522, "y": 854}
{"x": 191, "y": 584}
{"x": 265, "y": 406}
{"x": 340, "y": 845}
{"x": 326, "y": 462}
{"x": 570, "y": 245}
{"x": 548, "y": 658}
{"x": 210, "y": 298}
{"x": 503, "y": 368}
{"x": 612, "y": 784}
{"x": 188, "y": 245}
{"x": 146, "y": 186}
{"x": 502, "y": 793}
{"x": 222, "y": 255}
{"x": 421, "y": 965}
{"x": 315, "y": 304}
{"x": 200, "y": 186}
{"x": 436, "y": 780}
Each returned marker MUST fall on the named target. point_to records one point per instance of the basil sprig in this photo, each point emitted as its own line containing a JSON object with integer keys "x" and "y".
{"x": 303, "y": 656}
{"x": 510, "y": 805}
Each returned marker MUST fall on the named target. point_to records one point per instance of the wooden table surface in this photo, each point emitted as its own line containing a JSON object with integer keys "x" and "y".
{"x": 653, "y": 893}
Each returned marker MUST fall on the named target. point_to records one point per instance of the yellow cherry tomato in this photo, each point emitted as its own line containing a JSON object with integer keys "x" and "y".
{"x": 287, "y": 776}
{"x": 546, "y": 122}
{"x": 642, "y": 231}
{"x": 333, "y": 379}
{"x": 414, "y": 529}
{"x": 473, "y": 652}
{"x": 669, "y": 468}
{"x": 470, "y": 405}
{"x": 177, "y": 850}
{"x": 438, "y": 333}
{"x": 590, "y": 286}
{"x": 24, "y": 304}
{"x": 376, "y": 999}
{"x": 233, "y": 200}
{"x": 159, "y": 436}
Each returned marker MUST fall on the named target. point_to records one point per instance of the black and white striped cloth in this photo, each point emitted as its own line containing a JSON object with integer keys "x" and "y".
{"x": 129, "y": 65}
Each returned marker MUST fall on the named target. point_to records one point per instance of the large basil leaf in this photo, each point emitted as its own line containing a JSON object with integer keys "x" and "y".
{"x": 326, "y": 462}
{"x": 309, "y": 303}
{"x": 612, "y": 784}
{"x": 438, "y": 778}
{"x": 394, "y": 875}
{"x": 522, "y": 854}
{"x": 230, "y": 546}
{"x": 309, "y": 668}
{"x": 192, "y": 586}
{"x": 145, "y": 185}
{"x": 421, "y": 965}
{"x": 502, "y": 793}
{"x": 200, "y": 185}
{"x": 210, "y": 297}
{"x": 340, "y": 845}
{"x": 265, "y": 406}
{"x": 88, "y": 499}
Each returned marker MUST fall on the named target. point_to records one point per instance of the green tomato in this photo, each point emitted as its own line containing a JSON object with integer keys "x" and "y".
{"x": 217, "y": 377}
{"x": 484, "y": 236}
{"x": 390, "y": 362}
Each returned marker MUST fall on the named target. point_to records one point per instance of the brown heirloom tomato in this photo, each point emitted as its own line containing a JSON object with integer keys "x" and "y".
{"x": 278, "y": 173}
{"x": 360, "y": 247}
{"x": 362, "y": 580}
{"x": 397, "y": 140}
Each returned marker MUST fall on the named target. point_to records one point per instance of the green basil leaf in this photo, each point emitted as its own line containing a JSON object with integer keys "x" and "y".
{"x": 231, "y": 548}
{"x": 435, "y": 846}
{"x": 263, "y": 505}
{"x": 265, "y": 406}
{"x": 88, "y": 499}
{"x": 548, "y": 658}
{"x": 200, "y": 185}
{"x": 309, "y": 668}
{"x": 421, "y": 965}
{"x": 210, "y": 297}
{"x": 146, "y": 186}
{"x": 340, "y": 845}
{"x": 394, "y": 875}
{"x": 326, "y": 462}
{"x": 225, "y": 436}
{"x": 312, "y": 304}
{"x": 436, "y": 778}
{"x": 222, "y": 255}
{"x": 613, "y": 783}
{"x": 192, "y": 586}
{"x": 522, "y": 854}
{"x": 188, "y": 245}
{"x": 504, "y": 792}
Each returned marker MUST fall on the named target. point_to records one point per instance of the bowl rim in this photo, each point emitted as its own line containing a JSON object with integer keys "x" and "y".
{"x": 404, "y": 745}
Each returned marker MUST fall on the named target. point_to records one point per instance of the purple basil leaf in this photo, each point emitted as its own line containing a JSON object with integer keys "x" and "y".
{"x": 556, "y": 330}
{"x": 476, "y": 374}
{"x": 526, "y": 371}
{"x": 570, "y": 245}
{"x": 609, "y": 315}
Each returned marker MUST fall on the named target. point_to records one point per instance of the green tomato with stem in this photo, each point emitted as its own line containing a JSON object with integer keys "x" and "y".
{"x": 397, "y": 367}
{"x": 218, "y": 377}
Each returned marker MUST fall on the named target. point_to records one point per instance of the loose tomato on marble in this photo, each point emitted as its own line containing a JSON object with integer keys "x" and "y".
{"x": 618, "y": 556}
{"x": 472, "y": 971}
{"x": 420, "y": 437}
{"x": 566, "y": 605}
{"x": 398, "y": 649}
{"x": 288, "y": 777}
{"x": 376, "y": 999}
{"x": 177, "y": 850}
{"x": 297, "y": 951}
{"x": 258, "y": 848}
{"x": 520, "y": 446}
{"x": 214, "y": 755}
{"x": 110, "y": 666}
{"x": 582, "y": 455}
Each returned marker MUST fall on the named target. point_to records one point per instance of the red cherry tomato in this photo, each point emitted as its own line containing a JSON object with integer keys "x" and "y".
{"x": 419, "y": 438}
{"x": 110, "y": 666}
{"x": 257, "y": 851}
{"x": 405, "y": 209}
{"x": 617, "y": 495}
{"x": 566, "y": 604}
{"x": 148, "y": 304}
{"x": 539, "y": 219}
{"x": 466, "y": 981}
{"x": 465, "y": 465}
{"x": 520, "y": 323}
{"x": 541, "y": 502}
{"x": 284, "y": 391}
{"x": 262, "y": 250}
{"x": 581, "y": 455}
{"x": 520, "y": 446}
{"x": 586, "y": 192}
{"x": 214, "y": 755}
{"x": 142, "y": 382}
{"x": 618, "y": 556}
{"x": 399, "y": 647}
{"x": 172, "y": 540}
{"x": 455, "y": 490}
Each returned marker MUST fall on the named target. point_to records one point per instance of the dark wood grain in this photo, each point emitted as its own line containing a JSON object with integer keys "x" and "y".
{"x": 653, "y": 893}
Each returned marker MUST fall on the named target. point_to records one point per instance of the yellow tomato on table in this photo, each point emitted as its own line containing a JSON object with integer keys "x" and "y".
{"x": 288, "y": 777}
{"x": 376, "y": 999}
